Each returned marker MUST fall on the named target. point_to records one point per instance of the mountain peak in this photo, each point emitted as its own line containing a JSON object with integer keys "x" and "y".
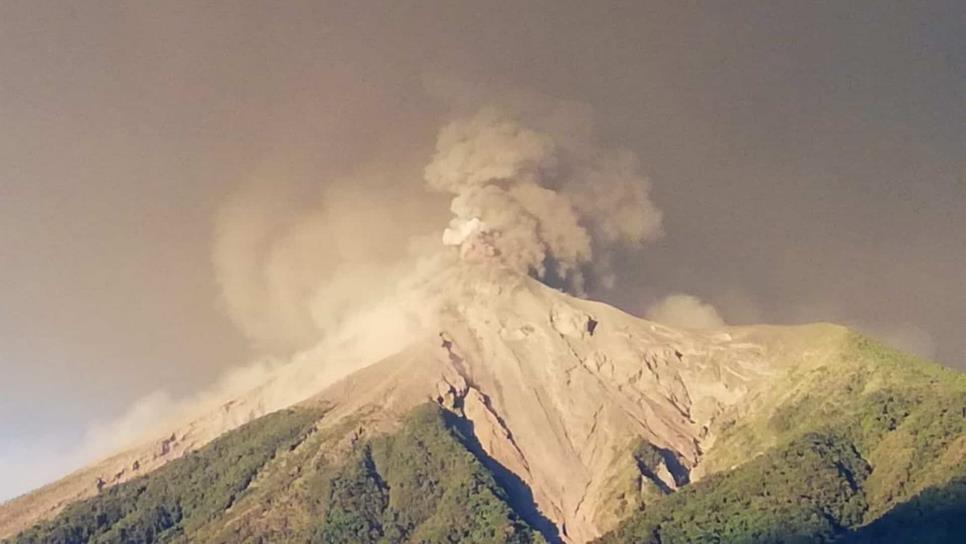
{"x": 558, "y": 388}
{"x": 584, "y": 414}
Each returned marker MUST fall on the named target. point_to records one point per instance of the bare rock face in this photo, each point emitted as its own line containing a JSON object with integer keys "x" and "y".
{"x": 560, "y": 389}
{"x": 557, "y": 391}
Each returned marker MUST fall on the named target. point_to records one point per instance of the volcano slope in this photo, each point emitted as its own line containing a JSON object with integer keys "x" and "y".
{"x": 522, "y": 414}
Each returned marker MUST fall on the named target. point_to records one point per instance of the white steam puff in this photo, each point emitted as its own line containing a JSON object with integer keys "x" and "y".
{"x": 551, "y": 201}
{"x": 685, "y": 311}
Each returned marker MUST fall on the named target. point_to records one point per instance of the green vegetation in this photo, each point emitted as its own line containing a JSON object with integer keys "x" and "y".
{"x": 861, "y": 445}
{"x": 841, "y": 450}
{"x": 807, "y": 491}
{"x": 419, "y": 485}
{"x": 271, "y": 481}
{"x": 357, "y": 503}
{"x": 935, "y": 516}
{"x": 181, "y": 495}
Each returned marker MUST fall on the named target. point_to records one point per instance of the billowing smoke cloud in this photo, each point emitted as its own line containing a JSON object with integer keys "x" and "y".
{"x": 293, "y": 267}
{"x": 533, "y": 188}
{"x": 339, "y": 276}
{"x": 544, "y": 195}
{"x": 685, "y": 311}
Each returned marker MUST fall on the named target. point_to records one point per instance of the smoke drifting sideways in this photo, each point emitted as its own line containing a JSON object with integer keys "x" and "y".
{"x": 292, "y": 268}
{"x": 539, "y": 193}
{"x": 686, "y": 312}
{"x": 352, "y": 274}
{"x": 327, "y": 281}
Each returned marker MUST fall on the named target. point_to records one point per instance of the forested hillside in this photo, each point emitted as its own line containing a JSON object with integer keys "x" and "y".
{"x": 420, "y": 484}
{"x": 869, "y": 448}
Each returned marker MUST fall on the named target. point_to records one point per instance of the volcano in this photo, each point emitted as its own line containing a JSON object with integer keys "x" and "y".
{"x": 519, "y": 413}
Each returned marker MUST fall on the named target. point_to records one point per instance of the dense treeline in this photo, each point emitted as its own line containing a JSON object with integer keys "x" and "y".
{"x": 864, "y": 452}
{"x": 809, "y": 491}
{"x": 935, "y": 516}
{"x": 181, "y": 495}
{"x": 420, "y": 485}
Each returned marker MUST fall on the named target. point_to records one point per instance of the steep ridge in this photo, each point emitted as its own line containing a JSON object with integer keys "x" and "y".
{"x": 137, "y": 461}
{"x": 583, "y": 414}
{"x": 560, "y": 390}
{"x": 834, "y": 452}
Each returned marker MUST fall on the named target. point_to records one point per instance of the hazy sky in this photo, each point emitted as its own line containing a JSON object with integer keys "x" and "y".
{"x": 809, "y": 158}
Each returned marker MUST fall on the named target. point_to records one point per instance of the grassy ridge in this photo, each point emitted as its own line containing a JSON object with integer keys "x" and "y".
{"x": 838, "y": 450}
{"x": 181, "y": 495}
{"x": 420, "y": 484}
{"x": 807, "y": 491}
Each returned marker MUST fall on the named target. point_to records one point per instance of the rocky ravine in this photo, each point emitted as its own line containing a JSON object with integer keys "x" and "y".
{"x": 558, "y": 390}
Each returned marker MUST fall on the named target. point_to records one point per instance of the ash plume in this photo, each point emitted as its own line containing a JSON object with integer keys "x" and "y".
{"x": 531, "y": 187}
{"x": 327, "y": 279}
{"x": 548, "y": 197}
{"x": 293, "y": 267}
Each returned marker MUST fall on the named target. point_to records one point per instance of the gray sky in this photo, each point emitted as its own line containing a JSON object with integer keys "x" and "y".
{"x": 809, "y": 157}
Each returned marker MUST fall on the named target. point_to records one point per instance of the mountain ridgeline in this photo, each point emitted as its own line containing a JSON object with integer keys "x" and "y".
{"x": 531, "y": 416}
{"x": 270, "y": 481}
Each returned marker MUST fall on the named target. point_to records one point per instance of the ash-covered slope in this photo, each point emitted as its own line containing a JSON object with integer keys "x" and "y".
{"x": 581, "y": 414}
{"x": 559, "y": 390}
